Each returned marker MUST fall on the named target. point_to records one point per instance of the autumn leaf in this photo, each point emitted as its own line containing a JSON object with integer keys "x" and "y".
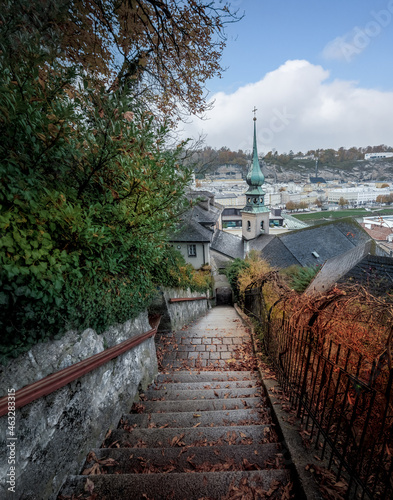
{"x": 89, "y": 486}
{"x": 53, "y": 130}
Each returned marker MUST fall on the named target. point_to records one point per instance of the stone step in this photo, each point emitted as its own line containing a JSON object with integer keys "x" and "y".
{"x": 194, "y": 459}
{"x": 197, "y": 405}
{"x": 205, "y": 376}
{"x": 173, "y": 394}
{"x": 193, "y": 419}
{"x": 194, "y": 436}
{"x": 192, "y": 386}
{"x": 179, "y": 486}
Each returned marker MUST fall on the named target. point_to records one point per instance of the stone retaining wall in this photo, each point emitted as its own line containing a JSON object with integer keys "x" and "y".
{"x": 175, "y": 316}
{"x": 55, "y": 433}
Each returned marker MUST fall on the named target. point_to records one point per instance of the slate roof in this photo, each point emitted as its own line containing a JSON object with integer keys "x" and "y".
{"x": 203, "y": 216}
{"x": 316, "y": 180}
{"x": 200, "y": 194}
{"x": 373, "y": 272}
{"x": 191, "y": 231}
{"x": 327, "y": 239}
{"x": 277, "y": 254}
{"x": 228, "y": 244}
{"x": 337, "y": 267}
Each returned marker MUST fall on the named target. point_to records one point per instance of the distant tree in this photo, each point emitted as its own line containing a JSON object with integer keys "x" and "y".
{"x": 354, "y": 154}
{"x": 341, "y": 154}
{"x": 328, "y": 156}
{"x": 342, "y": 202}
{"x": 290, "y": 206}
{"x": 388, "y": 199}
{"x": 303, "y": 205}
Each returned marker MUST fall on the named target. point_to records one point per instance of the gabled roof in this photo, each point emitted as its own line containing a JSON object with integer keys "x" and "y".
{"x": 199, "y": 214}
{"x": 191, "y": 231}
{"x": 200, "y": 194}
{"x": 376, "y": 232}
{"x": 276, "y": 253}
{"x": 374, "y": 272}
{"x": 228, "y": 244}
{"x": 312, "y": 245}
{"x": 334, "y": 269}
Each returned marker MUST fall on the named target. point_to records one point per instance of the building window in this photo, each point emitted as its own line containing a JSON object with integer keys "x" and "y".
{"x": 248, "y": 225}
{"x": 192, "y": 251}
{"x": 262, "y": 225}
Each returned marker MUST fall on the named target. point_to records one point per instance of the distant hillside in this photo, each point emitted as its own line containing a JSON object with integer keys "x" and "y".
{"x": 352, "y": 171}
{"x": 342, "y": 165}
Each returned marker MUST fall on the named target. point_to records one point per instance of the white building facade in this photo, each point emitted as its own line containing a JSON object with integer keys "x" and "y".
{"x": 356, "y": 195}
{"x": 375, "y": 156}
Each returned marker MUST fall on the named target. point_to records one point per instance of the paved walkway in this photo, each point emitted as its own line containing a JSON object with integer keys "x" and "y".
{"x": 201, "y": 431}
{"x": 217, "y": 340}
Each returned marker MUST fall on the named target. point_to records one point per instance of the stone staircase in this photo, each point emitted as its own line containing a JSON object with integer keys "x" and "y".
{"x": 202, "y": 431}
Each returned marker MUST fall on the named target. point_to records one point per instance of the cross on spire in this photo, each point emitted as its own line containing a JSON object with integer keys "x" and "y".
{"x": 255, "y": 111}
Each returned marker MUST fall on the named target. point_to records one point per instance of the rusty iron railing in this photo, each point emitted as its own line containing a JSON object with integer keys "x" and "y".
{"x": 345, "y": 404}
{"x": 187, "y": 299}
{"x": 59, "y": 379}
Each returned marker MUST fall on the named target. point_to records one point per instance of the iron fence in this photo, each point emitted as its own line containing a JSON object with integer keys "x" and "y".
{"x": 345, "y": 405}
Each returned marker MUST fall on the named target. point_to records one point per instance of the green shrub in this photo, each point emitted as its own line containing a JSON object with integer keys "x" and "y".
{"x": 87, "y": 196}
{"x": 300, "y": 277}
{"x": 233, "y": 271}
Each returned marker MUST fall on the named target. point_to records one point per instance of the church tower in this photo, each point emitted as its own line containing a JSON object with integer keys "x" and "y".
{"x": 255, "y": 215}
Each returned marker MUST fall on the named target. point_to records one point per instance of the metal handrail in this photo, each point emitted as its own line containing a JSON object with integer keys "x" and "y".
{"x": 186, "y": 299}
{"x": 59, "y": 379}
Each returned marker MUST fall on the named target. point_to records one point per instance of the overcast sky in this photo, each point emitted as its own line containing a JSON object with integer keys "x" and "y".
{"x": 320, "y": 74}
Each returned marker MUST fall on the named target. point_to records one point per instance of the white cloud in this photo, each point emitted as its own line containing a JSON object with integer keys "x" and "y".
{"x": 346, "y": 47}
{"x": 353, "y": 43}
{"x": 298, "y": 109}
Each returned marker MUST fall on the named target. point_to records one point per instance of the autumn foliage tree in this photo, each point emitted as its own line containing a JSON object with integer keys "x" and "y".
{"x": 161, "y": 50}
{"x": 342, "y": 202}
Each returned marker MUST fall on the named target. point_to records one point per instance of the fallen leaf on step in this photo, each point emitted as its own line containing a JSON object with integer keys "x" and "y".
{"x": 89, "y": 486}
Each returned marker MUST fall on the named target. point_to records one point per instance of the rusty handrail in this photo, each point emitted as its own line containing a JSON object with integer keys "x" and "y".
{"x": 59, "y": 379}
{"x": 185, "y": 299}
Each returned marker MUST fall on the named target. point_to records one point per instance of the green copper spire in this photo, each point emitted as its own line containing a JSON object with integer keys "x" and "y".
{"x": 255, "y": 178}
